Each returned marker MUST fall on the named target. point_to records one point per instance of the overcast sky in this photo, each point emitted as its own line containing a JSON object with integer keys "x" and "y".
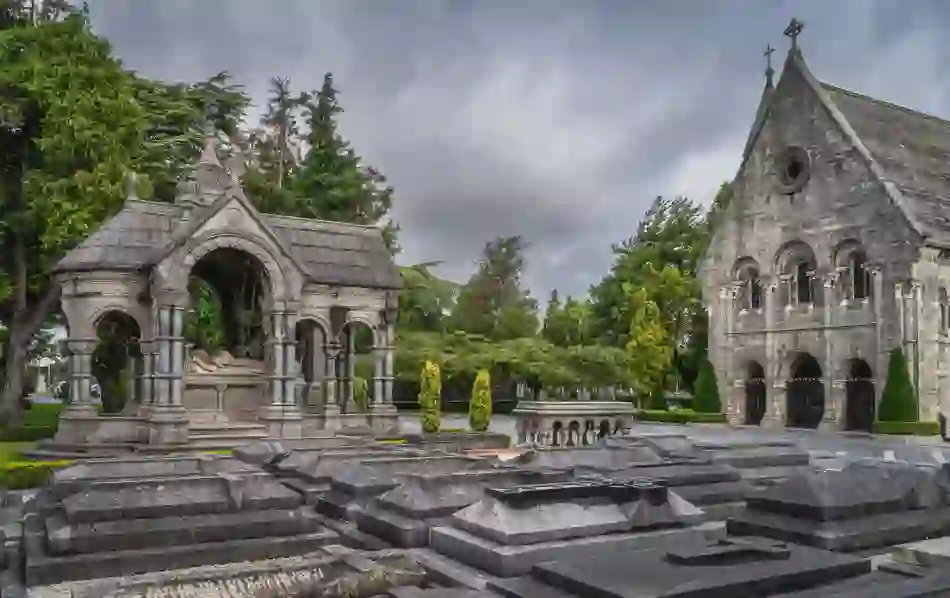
{"x": 556, "y": 120}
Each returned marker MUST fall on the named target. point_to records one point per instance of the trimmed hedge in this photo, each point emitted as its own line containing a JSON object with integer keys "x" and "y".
{"x": 20, "y": 475}
{"x": 28, "y": 434}
{"x": 680, "y": 416}
{"x": 39, "y": 422}
{"x": 898, "y": 401}
{"x": 706, "y": 391}
{"x": 907, "y": 428}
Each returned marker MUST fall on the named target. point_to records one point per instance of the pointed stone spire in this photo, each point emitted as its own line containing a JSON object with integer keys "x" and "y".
{"x": 209, "y": 155}
{"x": 769, "y": 71}
{"x": 208, "y": 180}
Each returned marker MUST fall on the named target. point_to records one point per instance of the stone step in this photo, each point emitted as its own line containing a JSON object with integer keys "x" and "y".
{"x": 256, "y": 434}
{"x": 224, "y": 427}
{"x": 214, "y": 443}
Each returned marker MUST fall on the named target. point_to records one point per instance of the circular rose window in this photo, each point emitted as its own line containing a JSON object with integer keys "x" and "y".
{"x": 794, "y": 167}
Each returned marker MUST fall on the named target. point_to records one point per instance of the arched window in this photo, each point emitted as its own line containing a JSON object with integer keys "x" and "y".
{"x": 854, "y": 278}
{"x": 943, "y": 302}
{"x": 802, "y": 291}
{"x": 748, "y": 285}
{"x": 796, "y": 266}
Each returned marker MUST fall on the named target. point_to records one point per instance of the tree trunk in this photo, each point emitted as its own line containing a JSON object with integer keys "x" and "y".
{"x": 23, "y": 326}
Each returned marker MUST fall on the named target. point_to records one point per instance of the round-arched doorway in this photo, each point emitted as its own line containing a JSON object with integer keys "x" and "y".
{"x": 805, "y": 393}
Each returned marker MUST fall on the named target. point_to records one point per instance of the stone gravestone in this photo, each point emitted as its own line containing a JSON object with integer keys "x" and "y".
{"x": 725, "y": 568}
{"x": 512, "y": 529}
{"x": 122, "y": 526}
{"x": 311, "y": 474}
{"x": 717, "y": 488}
{"x": 404, "y": 515}
{"x": 862, "y": 506}
{"x": 358, "y": 484}
{"x": 264, "y": 451}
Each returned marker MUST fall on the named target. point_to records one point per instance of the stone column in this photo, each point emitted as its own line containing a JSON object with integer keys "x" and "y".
{"x": 379, "y": 371}
{"x": 834, "y": 389}
{"x": 80, "y": 420}
{"x": 280, "y": 414}
{"x": 389, "y": 370}
{"x": 350, "y": 368}
{"x": 145, "y": 377}
{"x": 168, "y": 419}
{"x": 80, "y": 376}
{"x": 317, "y": 355}
{"x": 331, "y": 404}
{"x": 774, "y": 388}
{"x": 290, "y": 364}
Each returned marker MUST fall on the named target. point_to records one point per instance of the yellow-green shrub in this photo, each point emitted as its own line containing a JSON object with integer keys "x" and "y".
{"x": 430, "y": 397}
{"x": 479, "y": 406}
{"x": 19, "y": 475}
{"x": 361, "y": 393}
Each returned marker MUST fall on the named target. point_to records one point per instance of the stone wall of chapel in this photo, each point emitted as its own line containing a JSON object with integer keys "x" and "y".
{"x": 932, "y": 272}
{"x": 841, "y": 201}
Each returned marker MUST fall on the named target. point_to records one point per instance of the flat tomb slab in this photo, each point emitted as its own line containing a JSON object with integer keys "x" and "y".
{"x": 109, "y": 501}
{"x": 702, "y": 568}
{"x": 321, "y": 466}
{"x": 130, "y": 534}
{"x": 510, "y": 561}
{"x": 262, "y": 452}
{"x": 603, "y": 458}
{"x": 404, "y": 515}
{"x": 513, "y": 528}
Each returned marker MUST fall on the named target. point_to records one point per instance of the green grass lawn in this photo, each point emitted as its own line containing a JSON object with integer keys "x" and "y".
{"x": 13, "y": 451}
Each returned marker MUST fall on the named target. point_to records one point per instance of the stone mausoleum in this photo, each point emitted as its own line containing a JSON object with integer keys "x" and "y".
{"x": 294, "y": 294}
{"x": 834, "y": 251}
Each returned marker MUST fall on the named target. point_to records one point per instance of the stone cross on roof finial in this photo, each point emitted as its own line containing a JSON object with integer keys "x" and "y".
{"x": 769, "y": 71}
{"x": 793, "y": 30}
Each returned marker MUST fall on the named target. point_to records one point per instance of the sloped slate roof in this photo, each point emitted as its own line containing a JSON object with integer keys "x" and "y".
{"x": 331, "y": 252}
{"x": 913, "y": 150}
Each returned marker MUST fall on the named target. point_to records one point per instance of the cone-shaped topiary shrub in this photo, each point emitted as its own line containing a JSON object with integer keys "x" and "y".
{"x": 898, "y": 403}
{"x": 479, "y": 406}
{"x": 361, "y": 393}
{"x": 706, "y": 390}
{"x": 430, "y": 397}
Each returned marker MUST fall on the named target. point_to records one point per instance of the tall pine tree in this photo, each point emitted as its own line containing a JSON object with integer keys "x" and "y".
{"x": 331, "y": 182}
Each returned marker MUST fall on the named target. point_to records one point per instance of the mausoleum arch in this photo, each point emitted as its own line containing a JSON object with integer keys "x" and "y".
{"x": 269, "y": 264}
{"x": 102, "y": 311}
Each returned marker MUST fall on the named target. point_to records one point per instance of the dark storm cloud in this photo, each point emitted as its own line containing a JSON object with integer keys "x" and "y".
{"x": 553, "y": 119}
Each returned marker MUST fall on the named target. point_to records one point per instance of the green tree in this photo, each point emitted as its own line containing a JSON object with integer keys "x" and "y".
{"x": 671, "y": 233}
{"x": 480, "y": 406}
{"x": 648, "y": 345}
{"x": 898, "y": 400}
{"x": 274, "y": 148}
{"x": 331, "y": 182}
{"x": 430, "y": 397}
{"x": 426, "y": 300}
{"x": 493, "y": 303}
{"x": 568, "y": 324}
{"x": 73, "y": 125}
{"x": 706, "y": 395}
{"x": 361, "y": 394}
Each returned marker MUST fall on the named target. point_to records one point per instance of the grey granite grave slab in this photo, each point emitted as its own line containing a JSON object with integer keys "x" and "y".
{"x": 859, "y": 507}
{"x": 111, "y": 527}
{"x": 514, "y": 528}
{"x": 601, "y": 458}
{"x": 352, "y": 489}
{"x": 262, "y": 452}
{"x": 690, "y": 570}
{"x": 403, "y": 516}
